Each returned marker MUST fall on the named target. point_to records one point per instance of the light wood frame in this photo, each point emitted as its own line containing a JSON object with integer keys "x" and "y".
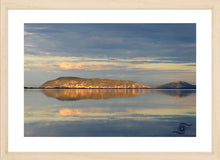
{"x": 214, "y": 5}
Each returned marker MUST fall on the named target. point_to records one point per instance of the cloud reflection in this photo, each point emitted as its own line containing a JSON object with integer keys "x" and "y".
{"x": 150, "y": 113}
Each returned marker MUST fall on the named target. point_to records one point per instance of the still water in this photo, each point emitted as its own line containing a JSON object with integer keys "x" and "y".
{"x": 109, "y": 113}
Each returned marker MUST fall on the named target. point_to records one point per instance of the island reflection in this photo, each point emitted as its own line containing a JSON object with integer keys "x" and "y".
{"x": 147, "y": 112}
{"x": 179, "y": 93}
{"x": 78, "y": 94}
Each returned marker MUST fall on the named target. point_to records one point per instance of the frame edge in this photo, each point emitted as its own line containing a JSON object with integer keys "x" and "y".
{"x": 4, "y": 81}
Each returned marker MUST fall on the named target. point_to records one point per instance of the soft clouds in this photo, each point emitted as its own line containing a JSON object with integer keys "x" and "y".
{"x": 67, "y": 65}
{"x": 27, "y": 33}
{"x": 112, "y": 40}
{"x": 137, "y": 51}
{"x": 79, "y": 63}
{"x": 83, "y": 66}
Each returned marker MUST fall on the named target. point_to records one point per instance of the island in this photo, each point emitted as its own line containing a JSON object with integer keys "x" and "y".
{"x": 176, "y": 85}
{"x": 98, "y": 83}
{"x": 88, "y": 83}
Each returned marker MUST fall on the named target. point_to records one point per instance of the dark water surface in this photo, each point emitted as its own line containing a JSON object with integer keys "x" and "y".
{"x": 109, "y": 113}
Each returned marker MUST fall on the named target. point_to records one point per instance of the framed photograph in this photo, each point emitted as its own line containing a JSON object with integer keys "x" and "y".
{"x": 110, "y": 80}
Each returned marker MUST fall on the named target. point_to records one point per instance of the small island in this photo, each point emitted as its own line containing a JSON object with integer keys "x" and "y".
{"x": 176, "y": 85}
{"x": 98, "y": 83}
{"x": 89, "y": 83}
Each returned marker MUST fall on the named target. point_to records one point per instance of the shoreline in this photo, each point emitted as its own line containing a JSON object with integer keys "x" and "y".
{"x": 113, "y": 88}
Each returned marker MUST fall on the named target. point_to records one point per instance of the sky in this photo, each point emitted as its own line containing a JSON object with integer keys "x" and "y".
{"x": 151, "y": 54}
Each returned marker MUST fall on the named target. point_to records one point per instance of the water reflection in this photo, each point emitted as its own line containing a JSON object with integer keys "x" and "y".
{"x": 106, "y": 112}
{"x": 78, "y": 94}
{"x": 110, "y": 128}
{"x": 84, "y": 111}
{"x": 178, "y": 92}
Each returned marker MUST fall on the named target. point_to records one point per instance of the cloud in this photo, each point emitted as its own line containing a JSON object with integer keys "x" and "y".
{"x": 84, "y": 66}
{"x": 125, "y": 66}
{"x": 28, "y": 45}
{"x": 28, "y": 33}
{"x": 187, "y": 45}
{"x": 27, "y": 69}
{"x": 49, "y": 62}
{"x": 67, "y": 65}
{"x": 112, "y": 40}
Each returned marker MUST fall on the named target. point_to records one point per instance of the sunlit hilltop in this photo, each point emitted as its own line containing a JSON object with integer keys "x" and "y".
{"x": 76, "y": 82}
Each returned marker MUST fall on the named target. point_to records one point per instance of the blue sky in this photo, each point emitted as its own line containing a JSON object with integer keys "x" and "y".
{"x": 150, "y": 54}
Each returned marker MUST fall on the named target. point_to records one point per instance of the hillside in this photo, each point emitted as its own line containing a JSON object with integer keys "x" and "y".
{"x": 176, "y": 85}
{"x": 76, "y": 82}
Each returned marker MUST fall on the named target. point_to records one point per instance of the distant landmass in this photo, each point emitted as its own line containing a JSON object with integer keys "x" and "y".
{"x": 97, "y": 83}
{"x": 176, "y": 85}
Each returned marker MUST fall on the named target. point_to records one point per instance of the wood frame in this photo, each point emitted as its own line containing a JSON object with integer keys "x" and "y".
{"x": 214, "y": 5}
